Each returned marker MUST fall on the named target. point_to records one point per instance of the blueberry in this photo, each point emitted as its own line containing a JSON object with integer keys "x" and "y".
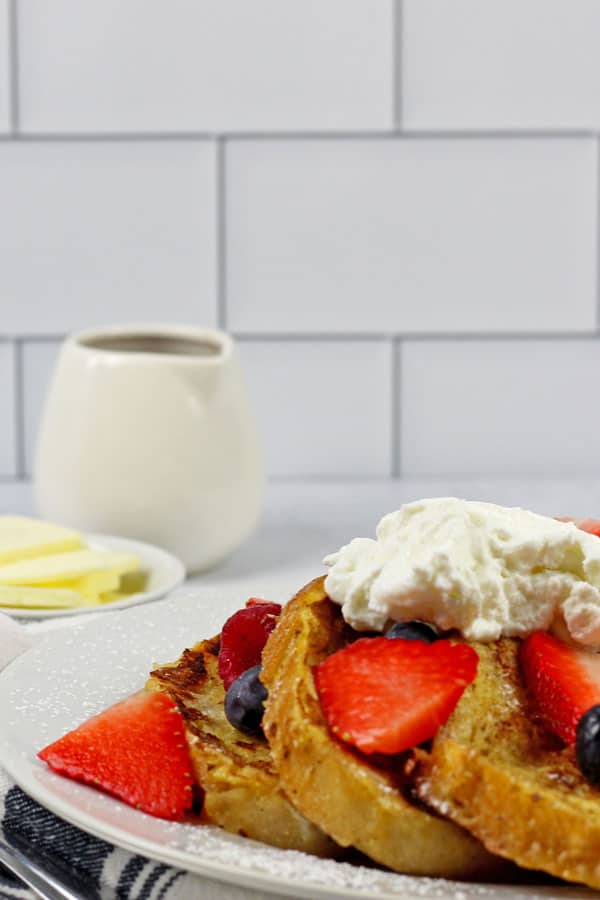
{"x": 413, "y": 631}
{"x": 587, "y": 745}
{"x": 244, "y": 701}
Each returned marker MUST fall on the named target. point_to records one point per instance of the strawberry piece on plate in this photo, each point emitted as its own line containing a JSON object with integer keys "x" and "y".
{"x": 243, "y": 637}
{"x": 563, "y": 681}
{"x": 135, "y": 750}
{"x": 385, "y": 696}
{"x": 258, "y": 601}
{"x": 592, "y": 526}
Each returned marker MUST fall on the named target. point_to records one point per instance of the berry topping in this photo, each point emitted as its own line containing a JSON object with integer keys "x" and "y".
{"x": 592, "y": 526}
{"x": 385, "y": 696}
{"x": 563, "y": 681}
{"x": 412, "y": 631}
{"x": 135, "y": 750}
{"x": 258, "y": 601}
{"x": 243, "y": 637}
{"x": 587, "y": 745}
{"x": 244, "y": 701}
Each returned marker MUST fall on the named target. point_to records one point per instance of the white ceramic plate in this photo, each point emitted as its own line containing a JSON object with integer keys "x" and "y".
{"x": 164, "y": 572}
{"x": 78, "y": 671}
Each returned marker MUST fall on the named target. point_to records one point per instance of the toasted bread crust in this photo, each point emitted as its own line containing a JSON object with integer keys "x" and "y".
{"x": 358, "y": 803}
{"x": 497, "y": 772}
{"x": 242, "y": 791}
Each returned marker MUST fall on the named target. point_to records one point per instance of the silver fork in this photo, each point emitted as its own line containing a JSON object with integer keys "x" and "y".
{"x": 37, "y": 873}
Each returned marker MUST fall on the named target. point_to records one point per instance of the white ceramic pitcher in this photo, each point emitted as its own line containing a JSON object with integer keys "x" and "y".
{"x": 147, "y": 433}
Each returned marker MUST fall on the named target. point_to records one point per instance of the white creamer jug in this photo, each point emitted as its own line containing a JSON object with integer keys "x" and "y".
{"x": 147, "y": 433}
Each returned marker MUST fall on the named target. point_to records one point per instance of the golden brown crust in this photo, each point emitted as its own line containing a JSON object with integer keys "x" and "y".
{"x": 498, "y": 773}
{"x": 242, "y": 791}
{"x": 358, "y": 803}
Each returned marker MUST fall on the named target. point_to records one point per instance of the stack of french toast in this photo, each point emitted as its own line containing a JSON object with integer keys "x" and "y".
{"x": 492, "y": 786}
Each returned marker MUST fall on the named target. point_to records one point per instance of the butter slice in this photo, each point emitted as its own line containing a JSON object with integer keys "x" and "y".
{"x": 41, "y": 598}
{"x": 24, "y": 538}
{"x": 92, "y": 586}
{"x": 67, "y": 567}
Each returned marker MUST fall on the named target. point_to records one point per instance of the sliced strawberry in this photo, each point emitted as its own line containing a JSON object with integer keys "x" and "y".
{"x": 243, "y": 637}
{"x": 135, "y": 750}
{"x": 563, "y": 681}
{"x": 592, "y": 526}
{"x": 385, "y": 696}
{"x": 258, "y": 601}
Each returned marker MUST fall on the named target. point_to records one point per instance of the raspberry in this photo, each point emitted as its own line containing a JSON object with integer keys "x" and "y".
{"x": 243, "y": 637}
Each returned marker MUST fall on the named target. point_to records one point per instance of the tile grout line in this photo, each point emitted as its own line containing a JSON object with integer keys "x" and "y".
{"x": 396, "y": 133}
{"x": 496, "y": 477}
{"x": 19, "y": 401}
{"x": 13, "y": 67}
{"x": 221, "y": 226}
{"x": 397, "y": 58}
{"x": 341, "y": 337}
{"x": 396, "y": 409}
{"x": 37, "y": 338}
{"x": 417, "y": 337}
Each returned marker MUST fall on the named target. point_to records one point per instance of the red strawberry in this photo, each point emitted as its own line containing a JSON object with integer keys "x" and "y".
{"x": 563, "y": 681}
{"x": 385, "y": 696}
{"x": 592, "y": 526}
{"x": 258, "y": 601}
{"x": 135, "y": 750}
{"x": 243, "y": 637}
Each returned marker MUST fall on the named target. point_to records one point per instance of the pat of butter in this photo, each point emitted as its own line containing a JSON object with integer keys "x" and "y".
{"x": 67, "y": 567}
{"x": 41, "y": 598}
{"x": 92, "y": 585}
{"x": 24, "y": 538}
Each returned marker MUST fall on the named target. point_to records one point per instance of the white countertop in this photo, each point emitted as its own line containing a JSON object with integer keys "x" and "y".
{"x": 304, "y": 520}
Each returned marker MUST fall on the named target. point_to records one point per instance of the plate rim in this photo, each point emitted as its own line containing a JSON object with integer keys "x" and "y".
{"x": 171, "y": 856}
{"x": 16, "y": 612}
{"x": 22, "y": 768}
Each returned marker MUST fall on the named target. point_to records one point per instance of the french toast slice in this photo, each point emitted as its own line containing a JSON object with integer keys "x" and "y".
{"x": 242, "y": 791}
{"x": 498, "y": 772}
{"x": 359, "y": 802}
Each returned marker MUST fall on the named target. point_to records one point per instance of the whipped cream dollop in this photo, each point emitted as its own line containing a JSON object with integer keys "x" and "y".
{"x": 483, "y": 569}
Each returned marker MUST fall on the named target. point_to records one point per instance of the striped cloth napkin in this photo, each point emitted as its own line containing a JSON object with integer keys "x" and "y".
{"x": 101, "y": 870}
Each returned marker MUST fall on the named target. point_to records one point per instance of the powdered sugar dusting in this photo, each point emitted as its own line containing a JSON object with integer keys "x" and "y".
{"x": 72, "y": 674}
{"x": 76, "y": 673}
{"x": 294, "y": 867}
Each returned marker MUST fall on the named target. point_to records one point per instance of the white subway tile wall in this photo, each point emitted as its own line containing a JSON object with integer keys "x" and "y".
{"x": 38, "y": 358}
{"x": 175, "y": 65}
{"x": 392, "y": 204}
{"x": 101, "y": 231}
{"x": 411, "y": 236}
{"x": 324, "y": 408}
{"x": 495, "y": 64}
{"x": 8, "y": 411}
{"x": 5, "y": 65}
{"x": 487, "y": 406}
